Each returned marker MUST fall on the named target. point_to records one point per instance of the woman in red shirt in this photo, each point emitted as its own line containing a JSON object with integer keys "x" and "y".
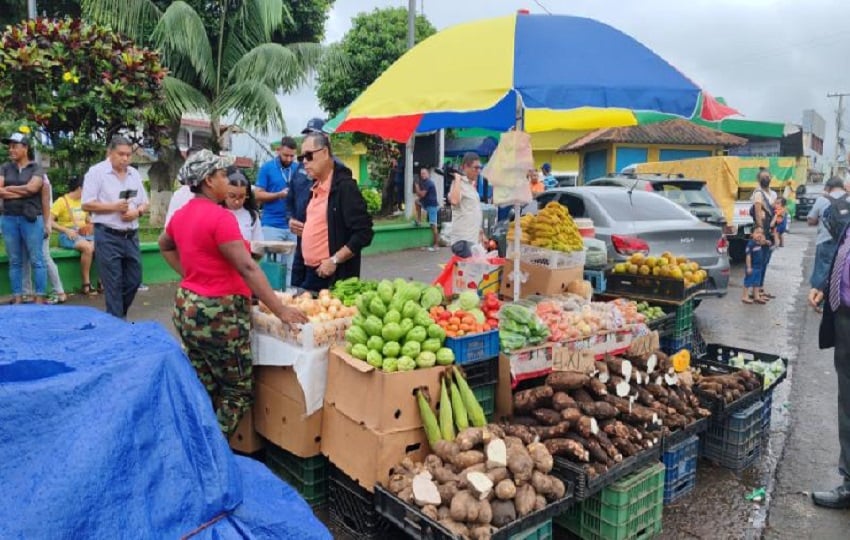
{"x": 203, "y": 244}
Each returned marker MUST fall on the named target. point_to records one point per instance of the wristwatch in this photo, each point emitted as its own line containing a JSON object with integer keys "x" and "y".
{"x": 335, "y": 260}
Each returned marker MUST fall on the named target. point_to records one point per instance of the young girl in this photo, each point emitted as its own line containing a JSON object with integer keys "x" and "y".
{"x": 779, "y": 224}
{"x": 755, "y": 252}
{"x": 240, "y": 200}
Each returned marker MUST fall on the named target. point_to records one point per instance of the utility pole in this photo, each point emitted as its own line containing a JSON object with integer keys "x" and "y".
{"x": 32, "y": 11}
{"x": 408, "y": 148}
{"x": 839, "y": 116}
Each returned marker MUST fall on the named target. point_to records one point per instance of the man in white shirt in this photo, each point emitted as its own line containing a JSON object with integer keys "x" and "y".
{"x": 113, "y": 193}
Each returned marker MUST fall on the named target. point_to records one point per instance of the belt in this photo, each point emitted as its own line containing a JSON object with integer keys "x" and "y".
{"x": 126, "y": 233}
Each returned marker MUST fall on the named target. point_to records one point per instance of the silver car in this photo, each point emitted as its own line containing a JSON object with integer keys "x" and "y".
{"x": 633, "y": 220}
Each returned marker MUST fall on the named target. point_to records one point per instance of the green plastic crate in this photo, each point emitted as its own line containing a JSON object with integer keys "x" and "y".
{"x": 486, "y": 396}
{"x": 630, "y": 509}
{"x": 308, "y": 476}
{"x": 275, "y": 272}
{"x": 540, "y": 532}
{"x": 684, "y": 318}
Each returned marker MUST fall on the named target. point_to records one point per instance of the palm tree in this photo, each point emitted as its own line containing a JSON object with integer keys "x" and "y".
{"x": 237, "y": 75}
{"x": 233, "y": 72}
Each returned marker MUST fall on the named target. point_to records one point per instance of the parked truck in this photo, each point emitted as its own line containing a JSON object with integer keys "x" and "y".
{"x": 731, "y": 181}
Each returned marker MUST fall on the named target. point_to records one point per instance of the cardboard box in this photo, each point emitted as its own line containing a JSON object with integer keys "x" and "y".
{"x": 366, "y": 455}
{"x": 540, "y": 280}
{"x": 280, "y": 412}
{"x": 246, "y": 440}
{"x": 379, "y": 400}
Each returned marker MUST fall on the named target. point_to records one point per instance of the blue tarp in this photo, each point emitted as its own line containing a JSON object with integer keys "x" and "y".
{"x": 107, "y": 433}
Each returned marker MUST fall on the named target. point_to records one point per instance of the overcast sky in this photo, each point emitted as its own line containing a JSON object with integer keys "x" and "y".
{"x": 770, "y": 59}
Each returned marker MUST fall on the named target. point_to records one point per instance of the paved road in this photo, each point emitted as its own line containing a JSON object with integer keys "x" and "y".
{"x": 717, "y": 508}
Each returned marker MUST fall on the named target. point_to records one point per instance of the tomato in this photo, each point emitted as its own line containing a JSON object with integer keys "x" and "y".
{"x": 468, "y": 319}
{"x": 466, "y": 327}
{"x": 460, "y": 333}
{"x": 445, "y": 315}
{"x": 486, "y": 328}
{"x": 493, "y": 322}
{"x": 452, "y": 328}
{"x": 450, "y": 333}
{"x": 454, "y": 320}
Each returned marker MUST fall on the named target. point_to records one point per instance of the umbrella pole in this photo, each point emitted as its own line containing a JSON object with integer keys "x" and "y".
{"x": 517, "y": 238}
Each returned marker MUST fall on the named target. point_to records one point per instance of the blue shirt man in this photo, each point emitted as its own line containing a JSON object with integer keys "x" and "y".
{"x": 549, "y": 180}
{"x": 272, "y": 190}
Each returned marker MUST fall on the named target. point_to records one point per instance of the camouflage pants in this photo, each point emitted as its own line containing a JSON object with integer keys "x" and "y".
{"x": 216, "y": 335}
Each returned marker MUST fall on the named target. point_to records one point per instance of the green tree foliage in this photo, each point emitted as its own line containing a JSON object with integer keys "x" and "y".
{"x": 375, "y": 41}
{"x": 79, "y": 83}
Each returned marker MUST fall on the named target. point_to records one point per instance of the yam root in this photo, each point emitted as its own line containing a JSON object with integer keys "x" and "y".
{"x": 524, "y": 500}
{"x": 548, "y": 486}
{"x": 431, "y": 511}
{"x": 657, "y": 391}
{"x": 572, "y": 414}
{"x": 548, "y": 417}
{"x": 566, "y": 380}
{"x": 472, "y": 437}
{"x": 632, "y": 411}
{"x": 567, "y": 448}
{"x": 464, "y": 507}
{"x": 615, "y": 428}
{"x": 524, "y": 421}
{"x": 498, "y": 474}
{"x": 520, "y": 463}
{"x": 581, "y": 395}
{"x": 457, "y": 529}
{"x": 597, "y": 388}
{"x": 625, "y": 447}
{"x": 609, "y": 447}
{"x": 479, "y": 484}
{"x": 505, "y": 490}
{"x": 523, "y": 433}
{"x": 619, "y": 366}
{"x": 539, "y": 502}
{"x": 541, "y": 457}
{"x": 406, "y": 495}
{"x": 462, "y": 481}
{"x": 444, "y": 475}
{"x": 495, "y": 431}
{"x": 587, "y": 426}
{"x": 552, "y": 432}
{"x": 446, "y": 450}
{"x": 602, "y": 368}
{"x": 504, "y": 512}
{"x": 497, "y": 454}
{"x": 599, "y": 410}
{"x": 464, "y": 460}
{"x": 447, "y": 491}
{"x": 562, "y": 400}
{"x": 425, "y": 490}
{"x": 596, "y": 451}
{"x": 527, "y": 400}
{"x": 443, "y": 512}
{"x": 481, "y": 532}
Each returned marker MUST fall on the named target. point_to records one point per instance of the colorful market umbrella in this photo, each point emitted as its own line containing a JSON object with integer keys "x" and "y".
{"x": 553, "y": 71}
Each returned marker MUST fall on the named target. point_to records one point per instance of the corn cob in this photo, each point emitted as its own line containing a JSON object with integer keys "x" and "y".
{"x": 429, "y": 421}
{"x": 447, "y": 426}
{"x": 473, "y": 408}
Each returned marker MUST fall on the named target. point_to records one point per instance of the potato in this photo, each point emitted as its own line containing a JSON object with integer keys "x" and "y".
{"x": 472, "y": 437}
{"x": 520, "y": 463}
{"x": 464, "y": 507}
{"x": 443, "y": 512}
{"x": 523, "y": 433}
{"x": 446, "y": 450}
{"x": 406, "y": 495}
{"x": 550, "y": 487}
{"x": 504, "y": 512}
{"x": 539, "y": 503}
{"x": 398, "y": 482}
{"x": 457, "y": 529}
{"x": 444, "y": 475}
{"x": 431, "y": 511}
{"x": 485, "y": 512}
{"x": 462, "y": 481}
{"x": 432, "y": 463}
{"x": 498, "y": 474}
{"x": 506, "y": 489}
{"x": 447, "y": 491}
{"x": 566, "y": 380}
{"x": 482, "y": 532}
{"x": 533, "y": 398}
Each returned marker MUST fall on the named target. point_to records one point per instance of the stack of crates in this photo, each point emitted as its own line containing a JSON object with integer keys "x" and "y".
{"x": 680, "y": 464}
{"x": 627, "y": 510}
{"x": 735, "y": 442}
{"x": 478, "y": 356}
{"x": 683, "y": 333}
{"x": 596, "y": 279}
{"x": 273, "y": 266}
{"x": 308, "y": 476}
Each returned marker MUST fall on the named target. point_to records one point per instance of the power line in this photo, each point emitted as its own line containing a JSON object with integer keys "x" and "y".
{"x": 541, "y": 6}
{"x": 823, "y": 40}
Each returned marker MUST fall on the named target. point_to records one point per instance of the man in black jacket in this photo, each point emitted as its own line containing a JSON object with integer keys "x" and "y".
{"x": 337, "y": 225}
{"x": 835, "y": 332}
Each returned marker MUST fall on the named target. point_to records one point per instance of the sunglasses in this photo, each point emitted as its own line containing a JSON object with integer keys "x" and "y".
{"x": 308, "y": 156}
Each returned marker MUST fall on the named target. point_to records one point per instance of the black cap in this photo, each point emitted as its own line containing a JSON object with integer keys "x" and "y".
{"x": 19, "y": 138}
{"x": 315, "y": 125}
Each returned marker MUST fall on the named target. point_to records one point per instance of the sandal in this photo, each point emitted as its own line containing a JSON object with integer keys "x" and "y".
{"x": 88, "y": 290}
{"x": 746, "y": 300}
{"x": 54, "y": 299}
{"x": 760, "y": 301}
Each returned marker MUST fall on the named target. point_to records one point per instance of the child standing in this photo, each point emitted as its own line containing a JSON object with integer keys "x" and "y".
{"x": 240, "y": 200}
{"x": 779, "y": 224}
{"x": 755, "y": 252}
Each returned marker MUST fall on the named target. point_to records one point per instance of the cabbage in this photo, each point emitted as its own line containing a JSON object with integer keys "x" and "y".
{"x": 406, "y": 363}
{"x": 423, "y": 319}
{"x": 426, "y": 359}
{"x": 478, "y": 314}
{"x": 390, "y": 365}
{"x": 411, "y": 349}
{"x": 431, "y": 296}
{"x": 417, "y": 333}
{"x": 436, "y": 331}
{"x": 432, "y": 345}
{"x": 468, "y": 300}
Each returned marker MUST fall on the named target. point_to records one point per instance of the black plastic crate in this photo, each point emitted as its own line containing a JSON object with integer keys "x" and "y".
{"x": 674, "y": 343}
{"x": 585, "y": 487}
{"x": 723, "y": 354}
{"x": 680, "y": 469}
{"x": 665, "y": 326}
{"x": 352, "y": 508}
{"x": 412, "y": 521}
{"x": 482, "y": 373}
{"x": 651, "y": 287}
{"x": 766, "y": 412}
{"x": 720, "y": 409}
{"x": 694, "y": 428}
{"x": 734, "y": 443}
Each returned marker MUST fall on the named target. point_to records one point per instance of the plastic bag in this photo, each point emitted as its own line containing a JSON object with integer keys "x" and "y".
{"x": 507, "y": 169}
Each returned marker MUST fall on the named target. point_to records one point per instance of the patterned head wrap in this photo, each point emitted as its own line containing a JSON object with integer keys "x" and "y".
{"x": 200, "y": 165}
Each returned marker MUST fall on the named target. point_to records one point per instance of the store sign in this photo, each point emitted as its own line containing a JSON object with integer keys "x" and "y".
{"x": 564, "y": 359}
{"x": 766, "y": 149}
{"x": 644, "y": 345}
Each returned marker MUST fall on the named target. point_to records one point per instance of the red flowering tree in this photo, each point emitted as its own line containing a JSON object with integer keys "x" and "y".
{"x": 80, "y": 83}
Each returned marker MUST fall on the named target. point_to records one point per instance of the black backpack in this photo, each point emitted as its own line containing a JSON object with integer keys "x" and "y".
{"x": 837, "y": 215}
{"x": 768, "y": 211}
